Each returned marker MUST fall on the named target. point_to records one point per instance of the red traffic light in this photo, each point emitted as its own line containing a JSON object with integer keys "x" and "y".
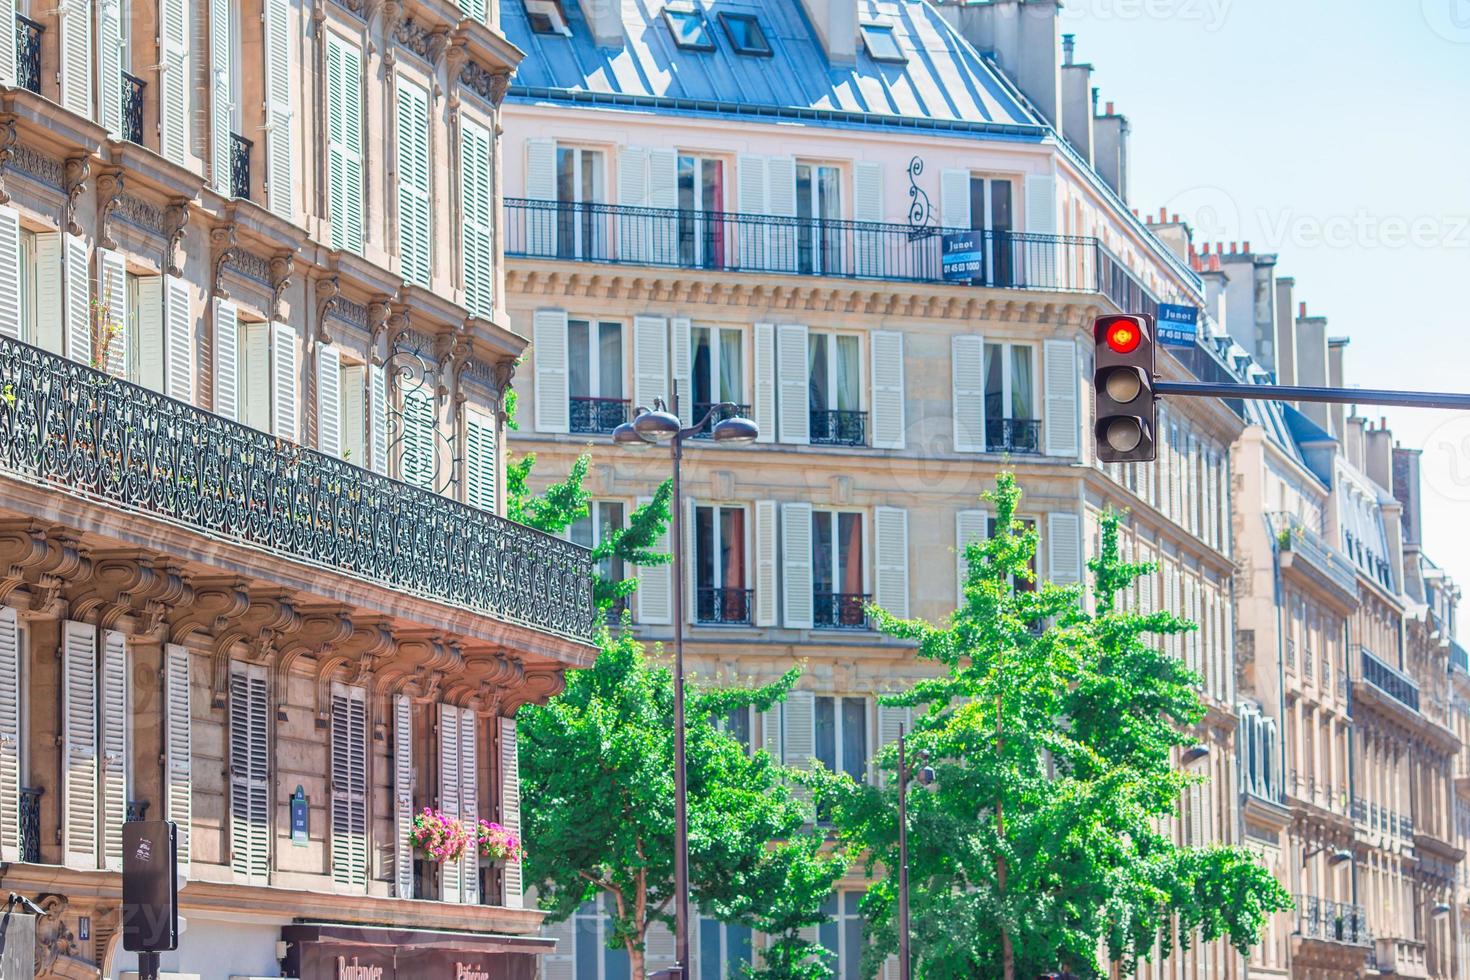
{"x": 1123, "y": 335}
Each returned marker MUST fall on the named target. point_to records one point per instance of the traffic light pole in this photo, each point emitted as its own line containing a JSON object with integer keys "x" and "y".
{"x": 1298, "y": 393}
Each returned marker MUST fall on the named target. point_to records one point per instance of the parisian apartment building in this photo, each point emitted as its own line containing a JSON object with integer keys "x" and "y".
{"x": 256, "y": 575}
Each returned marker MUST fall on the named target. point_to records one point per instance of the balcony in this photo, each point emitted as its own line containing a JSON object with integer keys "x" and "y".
{"x": 240, "y": 149}
{"x": 839, "y": 427}
{"x": 30, "y": 824}
{"x": 723, "y": 607}
{"x": 729, "y": 241}
{"x": 596, "y": 416}
{"x": 1333, "y": 922}
{"x": 1016, "y": 436}
{"x": 1394, "y": 683}
{"x": 28, "y": 53}
{"x": 1295, "y": 538}
{"x": 132, "y": 106}
{"x": 840, "y": 610}
{"x": 708, "y": 431}
{"x": 85, "y": 433}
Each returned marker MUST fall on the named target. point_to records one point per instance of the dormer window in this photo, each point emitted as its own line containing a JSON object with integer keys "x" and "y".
{"x": 882, "y": 43}
{"x": 746, "y": 34}
{"x": 547, "y": 17}
{"x": 689, "y": 28}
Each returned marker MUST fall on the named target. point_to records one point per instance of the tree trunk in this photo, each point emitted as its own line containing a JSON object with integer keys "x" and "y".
{"x": 1008, "y": 954}
{"x": 635, "y": 962}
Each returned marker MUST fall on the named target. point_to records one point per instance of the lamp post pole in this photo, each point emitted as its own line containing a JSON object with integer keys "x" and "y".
{"x": 903, "y": 859}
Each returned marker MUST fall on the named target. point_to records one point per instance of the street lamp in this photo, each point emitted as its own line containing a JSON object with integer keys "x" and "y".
{"x": 660, "y": 426}
{"x": 926, "y": 777}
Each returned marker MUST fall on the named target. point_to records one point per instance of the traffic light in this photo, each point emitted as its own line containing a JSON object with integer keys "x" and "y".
{"x": 150, "y": 886}
{"x": 1123, "y": 381}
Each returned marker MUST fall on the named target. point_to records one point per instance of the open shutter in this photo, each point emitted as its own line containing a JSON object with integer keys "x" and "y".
{"x": 226, "y": 359}
{"x": 349, "y": 789}
{"x": 415, "y": 225}
{"x": 542, "y": 222}
{"x": 480, "y": 461}
{"x": 764, "y": 407}
{"x": 148, "y": 340}
{"x": 771, "y": 732}
{"x": 344, "y": 143}
{"x": 635, "y": 232}
{"x": 7, "y": 51}
{"x": 354, "y": 414}
{"x": 221, "y": 99}
{"x": 173, "y": 110}
{"x": 655, "y": 585}
{"x": 79, "y": 745}
{"x": 114, "y": 738}
{"x": 867, "y": 206}
{"x": 450, "y": 872}
{"x": 1063, "y": 548}
{"x": 560, "y": 963}
{"x": 954, "y": 198}
{"x": 402, "y": 796}
{"x": 750, "y": 198}
{"x": 469, "y": 803}
{"x": 78, "y": 302}
{"x": 781, "y": 250}
{"x": 890, "y": 722}
{"x": 658, "y": 947}
{"x": 114, "y": 290}
{"x": 180, "y": 342}
{"x": 650, "y": 359}
{"x": 549, "y": 354}
{"x": 76, "y": 57}
{"x": 796, "y": 574}
{"x": 9, "y": 250}
{"x": 888, "y": 389}
{"x": 329, "y": 400}
{"x": 967, "y": 378}
{"x": 679, "y": 342}
{"x": 793, "y": 377}
{"x": 799, "y": 729}
{"x": 891, "y": 548}
{"x": 178, "y": 723}
{"x": 766, "y": 548}
{"x": 970, "y": 527}
{"x": 691, "y": 579}
{"x": 283, "y": 378}
{"x": 280, "y": 153}
{"x": 50, "y": 293}
{"x": 378, "y": 417}
{"x": 663, "y": 193}
{"x": 1062, "y": 424}
{"x": 109, "y": 64}
{"x": 10, "y": 735}
{"x": 477, "y": 227}
{"x": 541, "y": 170}
{"x": 510, "y": 808}
{"x": 1041, "y": 204}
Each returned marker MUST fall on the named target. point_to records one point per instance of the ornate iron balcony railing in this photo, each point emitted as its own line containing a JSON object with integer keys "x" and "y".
{"x": 132, "y": 96}
{"x": 28, "y": 53}
{"x": 1394, "y": 683}
{"x": 728, "y": 607}
{"x": 597, "y": 415}
{"x": 1335, "y": 922}
{"x": 1294, "y": 536}
{"x": 708, "y": 431}
{"x": 30, "y": 824}
{"x": 240, "y": 150}
{"x": 838, "y": 427}
{"x": 83, "y": 432}
{"x": 1013, "y": 435}
{"x": 840, "y": 610}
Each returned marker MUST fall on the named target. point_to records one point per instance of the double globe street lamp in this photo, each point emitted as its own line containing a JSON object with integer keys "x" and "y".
{"x": 660, "y": 426}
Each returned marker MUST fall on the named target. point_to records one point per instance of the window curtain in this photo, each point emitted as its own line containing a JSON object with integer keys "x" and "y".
{"x": 731, "y": 364}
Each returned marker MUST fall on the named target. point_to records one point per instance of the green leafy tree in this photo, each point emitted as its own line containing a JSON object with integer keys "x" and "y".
{"x": 1042, "y": 843}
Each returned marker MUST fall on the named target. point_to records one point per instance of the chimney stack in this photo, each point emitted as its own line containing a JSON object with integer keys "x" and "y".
{"x": 1069, "y": 44}
{"x": 1023, "y": 36}
{"x": 1285, "y": 334}
{"x": 605, "y": 20}
{"x": 1336, "y": 378}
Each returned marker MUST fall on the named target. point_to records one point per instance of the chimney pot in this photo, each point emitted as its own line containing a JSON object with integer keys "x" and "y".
{"x": 1232, "y": 248}
{"x": 1109, "y": 110}
{"x": 1220, "y": 247}
{"x": 1068, "y": 42}
{"x": 1174, "y": 219}
{"x": 1246, "y": 248}
{"x": 1302, "y": 309}
{"x": 1163, "y": 215}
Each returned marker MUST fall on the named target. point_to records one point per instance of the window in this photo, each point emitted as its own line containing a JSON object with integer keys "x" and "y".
{"x": 254, "y": 365}
{"x": 1029, "y": 523}
{"x": 882, "y": 43}
{"x": 1010, "y": 399}
{"x": 723, "y": 950}
{"x": 602, "y": 518}
{"x": 834, "y": 385}
{"x": 354, "y": 386}
{"x": 842, "y": 934}
{"x": 842, "y": 735}
{"x": 28, "y": 332}
{"x": 838, "y": 576}
{"x": 690, "y": 30}
{"x": 595, "y": 376}
{"x": 991, "y": 211}
{"x": 818, "y": 209}
{"x": 701, "y": 212}
{"x": 718, "y": 369}
{"x": 720, "y": 575}
{"x": 145, "y": 331}
{"x": 547, "y": 17}
{"x": 594, "y": 961}
{"x": 745, "y": 34}
{"x": 579, "y": 186}
{"x": 737, "y": 724}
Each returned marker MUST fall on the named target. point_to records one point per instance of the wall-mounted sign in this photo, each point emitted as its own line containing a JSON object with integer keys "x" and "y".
{"x": 963, "y": 256}
{"x": 300, "y": 818}
{"x": 1178, "y": 325}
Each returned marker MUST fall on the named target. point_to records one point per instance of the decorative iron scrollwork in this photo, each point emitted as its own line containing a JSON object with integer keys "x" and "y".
{"x": 417, "y": 389}
{"x": 921, "y": 212}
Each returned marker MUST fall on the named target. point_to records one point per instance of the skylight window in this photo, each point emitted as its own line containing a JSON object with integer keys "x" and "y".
{"x": 547, "y": 17}
{"x": 882, "y": 44}
{"x": 690, "y": 29}
{"x": 746, "y": 34}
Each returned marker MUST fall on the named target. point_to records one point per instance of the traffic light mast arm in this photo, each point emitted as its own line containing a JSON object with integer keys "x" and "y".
{"x": 1298, "y": 393}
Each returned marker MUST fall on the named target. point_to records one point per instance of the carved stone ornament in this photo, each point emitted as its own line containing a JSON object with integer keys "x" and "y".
{"x": 226, "y": 247}
{"x": 177, "y": 220}
{"x": 426, "y": 42}
{"x": 329, "y": 294}
{"x": 488, "y": 85}
{"x": 378, "y": 314}
{"x": 283, "y": 267}
{"x": 110, "y": 192}
{"x": 8, "y": 136}
{"x": 78, "y": 169}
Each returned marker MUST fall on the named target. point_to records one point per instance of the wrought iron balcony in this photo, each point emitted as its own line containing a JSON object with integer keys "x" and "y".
{"x": 734, "y": 242}
{"x": 838, "y": 427}
{"x": 597, "y": 415}
{"x": 132, "y": 96}
{"x": 240, "y": 150}
{"x": 30, "y": 824}
{"x": 28, "y": 53}
{"x": 1333, "y": 922}
{"x": 840, "y": 610}
{"x": 727, "y": 607}
{"x": 1013, "y": 436}
{"x": 137, "y": 810}
{"x": 1295, "y": 537}
{"x": 82, "y": 432}
{"x": 1394, "y": 683}
{"x": 708, "y": 431}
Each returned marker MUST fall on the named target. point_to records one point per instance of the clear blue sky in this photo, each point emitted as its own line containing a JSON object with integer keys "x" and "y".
{"x": 1336, "y": 135}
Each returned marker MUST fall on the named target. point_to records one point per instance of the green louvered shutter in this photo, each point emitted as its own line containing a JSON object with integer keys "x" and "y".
{"x": 344, "y": 144}
{"x": 414, "y": 225}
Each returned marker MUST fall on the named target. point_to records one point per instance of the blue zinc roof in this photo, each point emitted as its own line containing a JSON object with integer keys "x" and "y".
{"x": 944, "y": 82}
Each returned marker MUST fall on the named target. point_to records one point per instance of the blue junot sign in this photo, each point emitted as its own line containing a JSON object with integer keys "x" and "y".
{"x": 1178, "y": 325}
{"x": 964, "y": 255}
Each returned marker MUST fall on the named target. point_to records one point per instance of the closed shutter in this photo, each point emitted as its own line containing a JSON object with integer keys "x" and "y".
{"x": 796, "y": 559}
{"x": 655, "y": 585}
{"x": 221, "y": 99}
{"x": 781, "y": 201}
{"x": 475, "y": 9}
{"x": 764, "y": 407}
{"x": 354, "y": 414}
{"x": 480, "y": 461}
{"x": 415, "y": 242}
{"x": 226, "y": 359}
{"x": 1062, "y": 423}
{"x": 549, "y": 353}
{"x": 766, "y": 548}
{"x": 477, "y": 225}
{"x": 954, "y": 198}
{"x": 7, "y": 51}
{"x": 114, "y": 290}
{"x": 1064, "y": 548}
{"x": 280, "y": 151}
{"x": 114, "y": 737}
{"x": 650, "y": 359}
{"x": 173, "y": 109}
{"x": 283, "y": 381}
{"x": 149, "y": 341}
{"x": 329, "y": 400}
{"x": 658, "y": 947}
{"x": 10, "y": 735}
{"x": 109, "y": 64}
{"x": 344, "y": 144}
{"x": 1043, "y": 265}
{"x": 417, "y": 464}
{"x": 750, "y": 199}
{"x": 79, "y": 745}
{"x": 679, "y": 342}
{"x": 9, "y": 252}
{"x": 450, "y": 872}
{"x": 349, "y": 788}
{"x": 635, "y": 230}
{"x": 378, "y": 417}
{"x": 542, "y": 222}
{"x": 178, "y": 724}
{"x": 967, "y": 382}
{"x": 970, "y": 527}
{"x": 867, "y": 206}
{"x": 771, "y": 732}
{"x": 792, "y": 379}
{"x": 561, "y": 963}
{"x": 50, "y": 293}
{"x": 663, "y": 193}
{"x": 799, "y": 729}
{"x": 250, "y": 823}
{"x": 78, "y": 302}
{"x": 1041, "y": 204}
{"x": 255, "y": 375}
{"x": 510, "y": 808}
{"x": 891, "y": 550}
{"x": 180, "y": 343}
{"x": 888, "y": 390}
{"x": 469, "y": 804}
{"x": 402, "y": 796}
{"x": 76, "y": 57}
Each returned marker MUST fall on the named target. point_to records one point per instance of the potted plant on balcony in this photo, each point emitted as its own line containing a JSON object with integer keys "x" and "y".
{"x": 497, "y": 846}
{"x": 436, "y": 838}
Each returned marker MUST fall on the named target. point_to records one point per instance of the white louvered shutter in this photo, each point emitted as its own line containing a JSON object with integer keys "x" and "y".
{"x": 655, "y": 585}
{"x": 560, "y": 963}
{"x": 796, "y": 560}
{"x": 549, "y": 355}
{"x": 221, "y": 99}
{"x": 113, "y": 734}
{"x": 634, "y": 231}
{"x": 10, "y": 735}
{"x": 970, "y": 527}
{"x": 764, "y": 406}
{"x": 469, "y": 804}
{"x": 891, "y": 550}
{"x": 542, "y": 222}
{"x": 329, "y": 400}
{"x": 148, "y": 340}
{"x": 226, "y": 359}
{"x": 50, "y": 293}
{"x": 967, "y": 382}
{"x": 9, "y": 254}
{"x": 771, "y": 732}
{"x": 79, "y": 745}
{"x": 378, "y": 417}
{"x": 450, "y": 872}
{"x": 178, "y": 747}
{"x": 7, "y": 51}
{"x": 888, "y": 390}
{"x": 283, "y": 381}
{"x": 799, "y": 729}
{"x": 75, "y": 19}
{"x": 415, "y": 225}
{"x": 658, "y": 947}
{"x": 349, "y": 789}
{"x": 402, "y": 796}
{"x": 510, "y": 808}
{"x": 890, "y": 722}
{"x": 1063, "y": 427}
{"x": 954, "y": 198}
{"x": 417, "y": 464}
{"x": 781, "y": 250}
{"x": 78, "y": 302}
{"x": 354, "y": 414}
{"x": 280, "y": 151}
{"x": 679, "y": 343}
{"x": 250, "y": 823}
{"x": 750, "y": 199}
{"x": 344, "y": 144}
{"x": 480, "y": 461}
{"x": 663, "y": 194}
{"x": 179, "y": 343}
{"x": 477, "y": 224}
{"x": 255, "y": 375}
{"x": 109, "y": 66}
{"x": 792, "y": 380}
{"x": 1042, "y": 257}
{"x": 690, "y": 584}
{"x": 650, "y": 359}
{"x": 766, "y": 549}
{"x": 173, "y": 110}
{"x": 1063, "y": 547}
{"x": 867, "y": 206}
{"x": 114, "y": 289}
